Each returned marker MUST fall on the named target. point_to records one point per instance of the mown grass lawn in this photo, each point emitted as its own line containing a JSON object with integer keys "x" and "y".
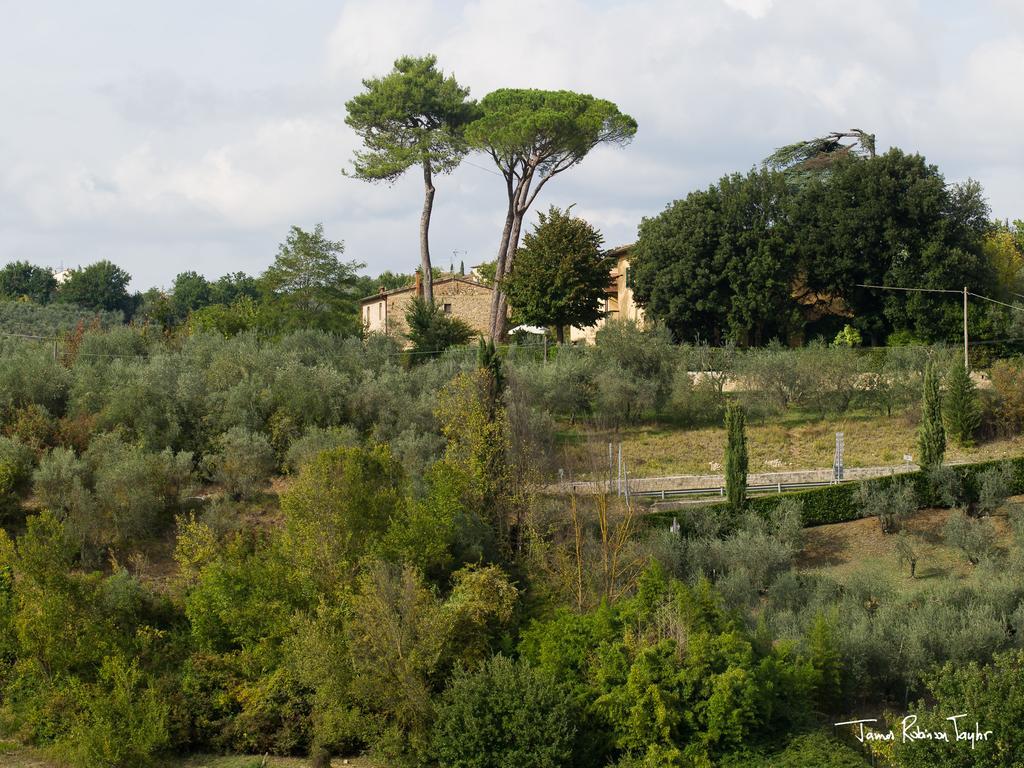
{"x": 792, "y": 443}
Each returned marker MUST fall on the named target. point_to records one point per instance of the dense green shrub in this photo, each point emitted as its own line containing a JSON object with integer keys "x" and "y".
{"x": 506, "y": 713}
{"x": 816, "y": 750}
{"x": 991, "y": 697}
{"x": 241, "y": 462}
{"x": 52, "y": 319}
{"x": 892, "y": 504}
{"x": 634, "y": 370}
{"x": 121, "y": 720}
{"x": 315, "y": 441}
{"x": 975, "y": 538}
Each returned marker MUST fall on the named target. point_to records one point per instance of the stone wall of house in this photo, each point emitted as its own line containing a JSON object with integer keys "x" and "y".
{"x": 466, "y": 301}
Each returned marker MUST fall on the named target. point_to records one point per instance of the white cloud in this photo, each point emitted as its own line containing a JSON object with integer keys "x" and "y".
{"x": 156, "y": 164}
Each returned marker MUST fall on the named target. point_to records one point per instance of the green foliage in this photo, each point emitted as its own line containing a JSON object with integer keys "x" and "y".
{"x": 548, "y": 130}
{"x": 53, "y": 319}
{"x": 315, "y": 441}
{"x": 117, "y": 493}
{"x": 122, "y": 722}
{"x": 16, "y": 463}
{"x": 736, "y": 456}
{"x": 339, "y": 509}
{"x": 811, "y": 749}
{"x": 715, "y": 265}
{"x": 505, "y": 713}
{"x": 431, "y": 331}
{"x": 24, "y": 281}
{"x": 932, "y": 435}
{"x": 1008, "y": 383}
{"x": 241, "y": 462}
{"x": 848, "y": 337}
{"x": 310, "y": 285}
{"x": 634, "y": 370}
{"x": 560, "y": 276}
{"x": 755, "y": 257}
{"x": 892, "y": 503}
{"x": 994, "y": 486}
{"x": 962, "y": 409}
{"x": 975, "y": 538}
{"x": 100, "y": 286}
{"x": 412, "y": 116}
{"x": 991, "y": 697}
{"x": 190, "y": 291}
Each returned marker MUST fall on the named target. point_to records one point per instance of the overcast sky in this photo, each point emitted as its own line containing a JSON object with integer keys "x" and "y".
{"x": 191, "y": 134}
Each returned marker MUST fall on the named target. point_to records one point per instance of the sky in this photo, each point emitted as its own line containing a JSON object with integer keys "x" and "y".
{"x": 191, "y": 135}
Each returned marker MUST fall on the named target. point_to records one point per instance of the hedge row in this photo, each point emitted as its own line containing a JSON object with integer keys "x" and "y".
{"x": 838, "y": 503}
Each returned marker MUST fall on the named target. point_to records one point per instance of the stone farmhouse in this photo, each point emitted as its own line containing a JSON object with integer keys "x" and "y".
{"x": 469, "y": 299}
{"x": 618, "y": 301}
{"x": 464, "y": 297}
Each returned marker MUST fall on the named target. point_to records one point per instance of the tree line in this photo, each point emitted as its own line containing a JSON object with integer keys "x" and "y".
{"x": 790, "y": 251}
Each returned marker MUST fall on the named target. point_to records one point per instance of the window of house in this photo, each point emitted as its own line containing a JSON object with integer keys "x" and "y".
{"x": 447, "y": 309}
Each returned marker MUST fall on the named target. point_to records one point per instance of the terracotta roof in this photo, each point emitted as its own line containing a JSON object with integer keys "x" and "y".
{"x": 412, "y": 287}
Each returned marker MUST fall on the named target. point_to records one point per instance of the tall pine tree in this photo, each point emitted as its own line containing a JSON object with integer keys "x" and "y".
{"x": 931, "y": 439}
{"x": 963, "y": 412}
{"x": 736, "y": 456}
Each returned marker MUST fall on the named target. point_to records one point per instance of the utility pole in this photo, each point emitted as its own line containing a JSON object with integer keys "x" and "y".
{"x": 967, "y": 364}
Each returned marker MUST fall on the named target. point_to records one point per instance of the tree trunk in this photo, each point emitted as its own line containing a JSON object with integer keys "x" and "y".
{"x": 428, "y": 205}
{"x": 560, "y": 334}
{"x": 497, "y": 303}
{"x": 514, "y": 225}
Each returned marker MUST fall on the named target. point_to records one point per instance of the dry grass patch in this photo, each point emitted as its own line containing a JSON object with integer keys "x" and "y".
{"x": 859, "y": 546}
{"x": 657, "y": 451}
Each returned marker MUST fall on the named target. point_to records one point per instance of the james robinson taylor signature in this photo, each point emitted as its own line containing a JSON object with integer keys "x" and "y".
{"x": 909, "y": 731}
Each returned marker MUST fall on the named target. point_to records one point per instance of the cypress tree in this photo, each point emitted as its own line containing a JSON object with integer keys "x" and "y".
{"x": 963, "y": 412}
{"x": 931, "y": 439}
{"x": 736, "y": 456}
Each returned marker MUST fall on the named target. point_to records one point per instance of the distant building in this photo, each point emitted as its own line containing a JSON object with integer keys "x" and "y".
{"x": 461, "y": 297}
{"x": 618, "y": 301}
{"x": 61, "y": 275}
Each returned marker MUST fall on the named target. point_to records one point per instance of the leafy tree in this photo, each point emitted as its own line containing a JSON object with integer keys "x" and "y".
{"x": 339, "y": 508}
{"x": 1004, "y": 250}
{"x": 309, "y": 284}
{"x": 993, "y": 697}
{"x": 532, "y": 136}
{"x": 963, "y": 411}
{"x": 804, "y": 159}
{"x": 891, "y": 220}
{"x": 241, "y": 462}
{"x": 976, "y": 538}
{"x": 122, "y": 722}
{"x": 891, "y": 504}
{"x": 506, "y": 713}
{"x": 431, "y": 331}
{"x": 191, "y": 291}
{"x": 717, "y": 266}
{"x": 412, "y": 116}
{"x": 19, "y": 279}
{"x": 931, "y": 440}
{"x": 233, "y": 286}
{"x": 735, "y": 456}
{"x": 560, "y": 276}
{"x": 99, "y": 286}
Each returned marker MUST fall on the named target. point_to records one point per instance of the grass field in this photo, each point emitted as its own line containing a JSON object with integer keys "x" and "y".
{"x": 842, "y": 550}
{"x": 793, "y": 443}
